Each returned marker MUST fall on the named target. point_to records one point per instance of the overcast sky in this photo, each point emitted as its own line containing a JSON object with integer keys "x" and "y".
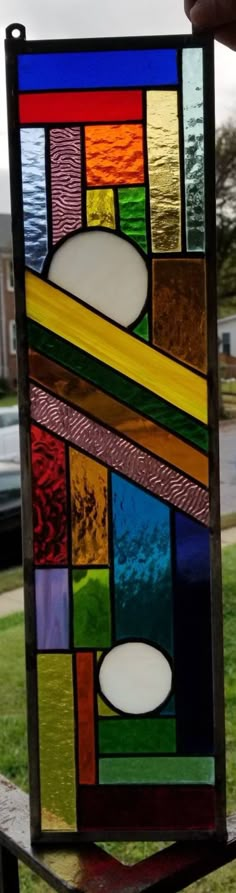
{"x": 104, "y": 18}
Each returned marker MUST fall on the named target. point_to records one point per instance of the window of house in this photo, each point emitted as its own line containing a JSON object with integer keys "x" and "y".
{"x": 10, "y": 276}
{"x": 226, "y": 343}
{"x": 12, "y": 336}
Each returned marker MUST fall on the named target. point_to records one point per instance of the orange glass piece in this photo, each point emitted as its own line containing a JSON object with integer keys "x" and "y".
{"x": 89, "y": 520}
{"x": 86, "y": 717}
{"x": 179, "y": 324}
{"x": 114, "y": 154}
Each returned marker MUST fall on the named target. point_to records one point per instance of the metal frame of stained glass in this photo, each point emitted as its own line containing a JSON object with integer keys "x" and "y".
{"x": 114, "y": 410}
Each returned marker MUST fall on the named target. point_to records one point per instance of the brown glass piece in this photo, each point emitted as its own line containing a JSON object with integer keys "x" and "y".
{"x": 179, "y": 310}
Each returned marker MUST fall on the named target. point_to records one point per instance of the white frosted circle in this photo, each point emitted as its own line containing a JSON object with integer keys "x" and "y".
{"x": 103, "y": 270}
{"x": 135, "y": 677}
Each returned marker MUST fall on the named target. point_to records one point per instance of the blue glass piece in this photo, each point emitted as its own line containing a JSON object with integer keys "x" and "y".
{"x": 111, "y": 68}
{"x": 194, "y": 148}
{"x": 192, "y": 651}
{"x": 142, "y": 565}
{"x": 34, "y": 196}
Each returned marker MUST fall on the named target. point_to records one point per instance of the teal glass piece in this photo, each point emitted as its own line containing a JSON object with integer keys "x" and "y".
{"x": 194, "y": 148}
{"x": 142, "y": 565}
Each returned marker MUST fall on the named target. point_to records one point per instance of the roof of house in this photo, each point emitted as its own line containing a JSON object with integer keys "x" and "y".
{"x": 5, "y": 232}
{"x": 224, "y": 319}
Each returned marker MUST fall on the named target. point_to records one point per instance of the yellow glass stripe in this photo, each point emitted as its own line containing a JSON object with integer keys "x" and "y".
{"x": 100, "y": 208}
{"x": 56, "y": 311}
{"x": 164, "y": 169}
{"x": 56, "y": 741}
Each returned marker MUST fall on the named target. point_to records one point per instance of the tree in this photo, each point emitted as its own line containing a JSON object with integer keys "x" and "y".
{"x": 226, "y": 210}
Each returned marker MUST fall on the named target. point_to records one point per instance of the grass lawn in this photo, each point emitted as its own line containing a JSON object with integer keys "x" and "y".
{"x": 12, "y": 578}
{"x": 227, "y": 521}
{"x": 8, "y": 399}
{"x": 13, "y": 747}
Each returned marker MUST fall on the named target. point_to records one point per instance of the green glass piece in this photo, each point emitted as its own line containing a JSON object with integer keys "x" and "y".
{"x": 91, "y": 604}
{"x": 56, "y": 741}
{"x": 142, "y": 329}
{"x": 157, "y": 770}
{"x": 117, "y": 385}
{"x": 137, "y": 735}
{"x": 132, "y": 209}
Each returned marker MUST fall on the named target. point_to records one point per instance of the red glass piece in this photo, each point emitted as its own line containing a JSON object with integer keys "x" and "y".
{"x": 86, "y": 717}
{"x": 163, "y": 808}
{"x": 49, "y": 498}
{"x": 117, "y": 105}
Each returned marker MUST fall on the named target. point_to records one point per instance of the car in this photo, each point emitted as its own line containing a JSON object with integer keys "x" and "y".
{"x": 10, "y": 514}
{"x": 9, "y": 433}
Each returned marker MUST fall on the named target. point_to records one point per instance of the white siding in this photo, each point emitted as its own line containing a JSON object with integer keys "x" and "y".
{"x": 227, "y": 326}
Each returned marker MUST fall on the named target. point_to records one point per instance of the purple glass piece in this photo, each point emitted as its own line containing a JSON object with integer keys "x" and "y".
{"x": 52, "y": 608}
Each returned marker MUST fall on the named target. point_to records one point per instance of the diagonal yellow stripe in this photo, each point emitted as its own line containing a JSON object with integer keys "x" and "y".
{"x": 52, "y": 308}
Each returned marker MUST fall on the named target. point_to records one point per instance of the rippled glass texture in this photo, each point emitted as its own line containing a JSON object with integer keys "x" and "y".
{"x": 194, "y": 148}
{"x": 114, "y": 154}
{"x": 34, "y": 196}
{"x": 89, "y": 519}
{"x": 142, "y": 565}
{"x": 132, "y": 211}
{"x": 164, "y": 169}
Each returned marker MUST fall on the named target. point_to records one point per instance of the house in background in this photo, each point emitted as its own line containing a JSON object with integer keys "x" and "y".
{"x": 8, "y": 367}
{"x": 227, "y": 335}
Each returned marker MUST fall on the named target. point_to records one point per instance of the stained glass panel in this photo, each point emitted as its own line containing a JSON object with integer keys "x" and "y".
{"x": 114, "y": 221}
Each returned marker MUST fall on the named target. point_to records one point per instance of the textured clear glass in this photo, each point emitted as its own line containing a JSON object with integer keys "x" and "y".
{"x": 194, "y": 148}
{"x": 34, "y": 196}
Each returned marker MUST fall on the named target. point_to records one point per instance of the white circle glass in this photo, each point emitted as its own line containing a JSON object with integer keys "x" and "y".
{"x": 103, "y": 270}
{"x": 135, "y": 677}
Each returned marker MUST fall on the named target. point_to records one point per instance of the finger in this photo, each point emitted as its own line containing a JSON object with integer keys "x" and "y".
{"x": 188, "y": 6}
{"x": 227, "y": 35}
{"x": 212, "y": 13}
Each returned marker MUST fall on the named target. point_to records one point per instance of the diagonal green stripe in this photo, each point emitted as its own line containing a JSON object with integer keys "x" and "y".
{"x": 113, "y": 383}
{"x": 156, "y": 770}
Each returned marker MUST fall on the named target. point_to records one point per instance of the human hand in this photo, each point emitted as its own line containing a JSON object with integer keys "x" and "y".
{"x": 218, "y": 16}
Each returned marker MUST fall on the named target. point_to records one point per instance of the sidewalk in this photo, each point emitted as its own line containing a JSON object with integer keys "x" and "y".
{"x": 12, "y": 602}
{"x": 228, "y": 537}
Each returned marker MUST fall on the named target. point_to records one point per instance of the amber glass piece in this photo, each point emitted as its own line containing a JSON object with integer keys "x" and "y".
{"x": 100, "y": 208}
{"x": 88, "y": 483}
{"x": 114, "y": 154}
{"x": 179, "y": 310}
{"x": 164, "y": 169}
{"x": 112, "y": 412}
